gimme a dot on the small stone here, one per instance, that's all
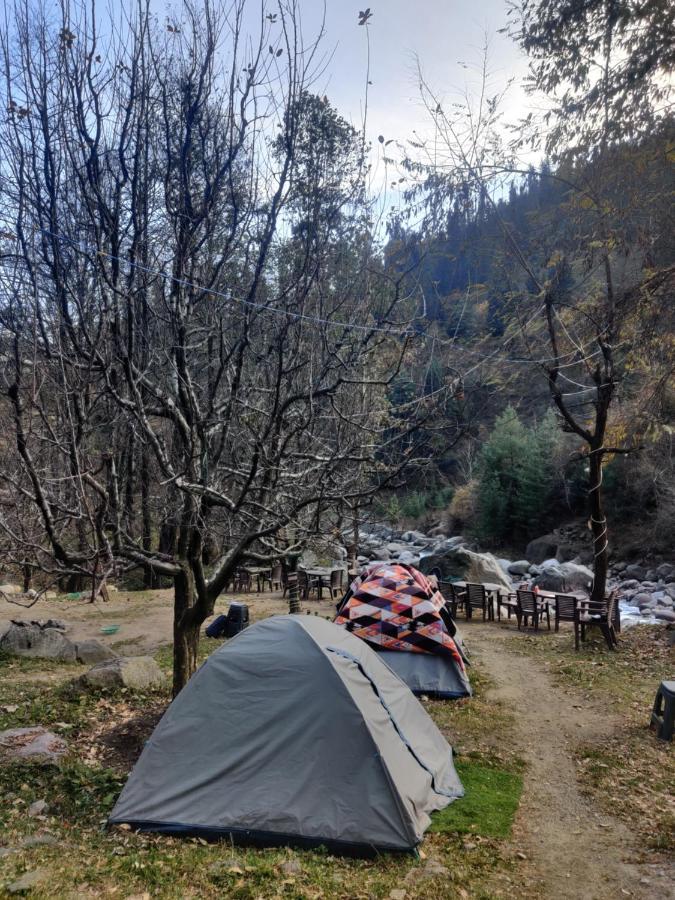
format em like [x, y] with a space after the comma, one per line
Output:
[28, 881]
[431, 869]
[38, 840]
[34, 743]
[39, 808]
[291, 867]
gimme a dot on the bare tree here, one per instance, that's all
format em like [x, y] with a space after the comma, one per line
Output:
[170, 341]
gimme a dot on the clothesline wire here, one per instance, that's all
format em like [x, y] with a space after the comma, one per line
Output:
[84, 248]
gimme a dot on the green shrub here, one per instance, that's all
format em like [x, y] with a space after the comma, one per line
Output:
[516, 478]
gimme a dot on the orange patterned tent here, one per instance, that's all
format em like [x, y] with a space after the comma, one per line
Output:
[395, 607]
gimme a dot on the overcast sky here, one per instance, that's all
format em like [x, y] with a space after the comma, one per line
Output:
[443, 33]
[446, 35]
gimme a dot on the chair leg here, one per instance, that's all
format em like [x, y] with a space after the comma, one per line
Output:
[607, 634]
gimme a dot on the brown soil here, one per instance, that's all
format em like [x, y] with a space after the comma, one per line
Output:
[572, 850]
[144, 617]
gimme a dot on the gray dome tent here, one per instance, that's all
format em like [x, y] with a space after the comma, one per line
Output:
[293, 732]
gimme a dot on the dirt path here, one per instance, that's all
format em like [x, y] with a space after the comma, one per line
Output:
[573, 850]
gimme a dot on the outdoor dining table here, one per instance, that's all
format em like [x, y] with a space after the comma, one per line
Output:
[549, 596]
[258, 572]
[320, 573]
[494, 591]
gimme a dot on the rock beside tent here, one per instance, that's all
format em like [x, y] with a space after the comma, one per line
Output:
[46, 639]
[33, 744]
[139, 673]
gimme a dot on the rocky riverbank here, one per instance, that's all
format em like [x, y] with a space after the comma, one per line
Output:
[645, 594]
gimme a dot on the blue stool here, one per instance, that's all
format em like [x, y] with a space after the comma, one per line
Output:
[663, 713]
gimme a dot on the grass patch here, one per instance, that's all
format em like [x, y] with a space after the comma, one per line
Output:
[14, 665]
[75, 792]
[164, 656]
[491, 799]
[98, 862]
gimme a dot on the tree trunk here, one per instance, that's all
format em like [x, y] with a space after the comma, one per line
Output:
[355, 536]
[598, 527]
[27, 577]
[293, 594]
[185, 630]
[150, 580]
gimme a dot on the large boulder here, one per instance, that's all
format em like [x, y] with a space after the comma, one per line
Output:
[665, 569]
[380, 552]
[484, 568]
[520, 567]
[561, 577]
[408, 558]
[457, 562]
[415, 537]
[577, 577]
[446, 561]
[382, 532]
[93, 651]
[542, 548]
[140, 673]
[395, 549]
[45, 640]
[635, 571]
[35, 744]
[665, 615]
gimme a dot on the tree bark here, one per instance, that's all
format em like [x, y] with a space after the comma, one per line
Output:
[293, 594]
[355, 535]
[185, 630]
[150, 580]
[598, 527]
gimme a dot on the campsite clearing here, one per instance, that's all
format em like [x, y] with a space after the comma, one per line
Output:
[570, 837]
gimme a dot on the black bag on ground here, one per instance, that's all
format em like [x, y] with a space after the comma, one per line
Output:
[217, 628]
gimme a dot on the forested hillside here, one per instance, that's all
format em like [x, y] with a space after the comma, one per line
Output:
[462, 254]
